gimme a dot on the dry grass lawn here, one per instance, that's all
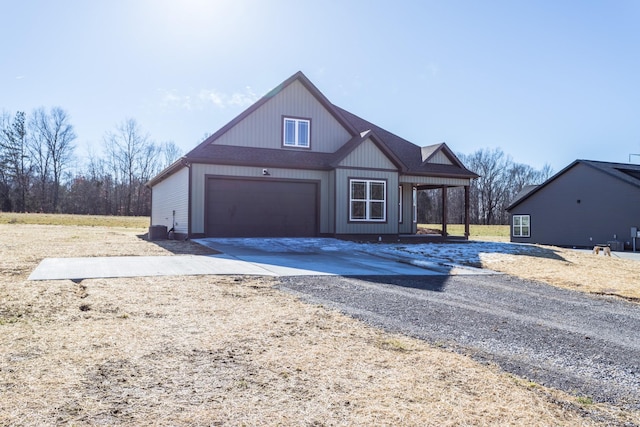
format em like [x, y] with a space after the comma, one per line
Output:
[213, 350]
[571, 269]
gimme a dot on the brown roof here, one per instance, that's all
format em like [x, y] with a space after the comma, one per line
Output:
[409, 153]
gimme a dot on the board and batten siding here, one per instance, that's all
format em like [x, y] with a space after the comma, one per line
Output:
[169, 196]
[263, 127]
[367, 155]
[440, 158]
[199, 173]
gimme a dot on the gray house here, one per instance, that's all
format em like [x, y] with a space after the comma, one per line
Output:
[585, 204]
[294, 164]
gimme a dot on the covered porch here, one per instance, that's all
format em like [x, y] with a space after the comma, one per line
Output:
[450, 196]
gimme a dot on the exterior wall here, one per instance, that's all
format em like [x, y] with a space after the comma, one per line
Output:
[368, 162]
[331, 203]
[172, 195]
[440, 158]
[582, 207]
[343, 226]
[407, 226]
[367, 153]
[263, 127]
[200, 171]
[434, 180]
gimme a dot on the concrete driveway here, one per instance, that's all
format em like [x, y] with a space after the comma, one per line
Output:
[316, 256]
[257, 256]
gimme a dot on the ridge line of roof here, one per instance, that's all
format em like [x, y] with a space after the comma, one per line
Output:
[594, 164]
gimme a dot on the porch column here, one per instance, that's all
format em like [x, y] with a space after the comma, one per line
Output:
[444, 211]
[466, 211]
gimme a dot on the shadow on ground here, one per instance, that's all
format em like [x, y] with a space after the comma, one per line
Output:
[470, 253]
[426, 283]
[180, 247]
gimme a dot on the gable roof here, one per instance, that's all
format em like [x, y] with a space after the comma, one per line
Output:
[625, 172]
[406, 156]
[352, 144]
[412, 155]
[299, 76]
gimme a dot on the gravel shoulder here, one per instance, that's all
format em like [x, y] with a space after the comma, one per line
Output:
[585, 345]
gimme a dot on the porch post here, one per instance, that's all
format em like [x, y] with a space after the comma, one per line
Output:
[466, 211]
[444, 211]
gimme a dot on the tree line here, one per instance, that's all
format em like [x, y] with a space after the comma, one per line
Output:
[501, 179]
[37, 152]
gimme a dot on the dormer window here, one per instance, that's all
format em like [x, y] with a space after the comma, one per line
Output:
[296, 132]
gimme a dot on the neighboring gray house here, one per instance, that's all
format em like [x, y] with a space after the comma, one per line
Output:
[585, 204]
[293, 164]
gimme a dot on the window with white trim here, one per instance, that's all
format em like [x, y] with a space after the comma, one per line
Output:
[414, 200]
[296, 132]
[400, 204]
[367, 200]
[521, 225]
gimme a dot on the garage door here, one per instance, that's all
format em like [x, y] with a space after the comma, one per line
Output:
[261, 208]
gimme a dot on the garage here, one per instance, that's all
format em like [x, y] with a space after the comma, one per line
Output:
[261, 208]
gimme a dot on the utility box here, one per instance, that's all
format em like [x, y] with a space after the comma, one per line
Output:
[158, 232]
[635, 232]
[616, 245]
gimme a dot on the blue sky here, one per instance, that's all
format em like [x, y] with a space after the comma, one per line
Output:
[545, 81]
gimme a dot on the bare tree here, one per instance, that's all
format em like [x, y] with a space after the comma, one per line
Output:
[52, 147]
[171, 152]
[500, 181]
[14, 160]
[134, 158]
[491, 188]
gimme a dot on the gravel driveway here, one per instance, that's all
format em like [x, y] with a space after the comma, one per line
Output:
[585, 345]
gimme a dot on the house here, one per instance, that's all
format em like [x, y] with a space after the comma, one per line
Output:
[294, 164]
[586, 204]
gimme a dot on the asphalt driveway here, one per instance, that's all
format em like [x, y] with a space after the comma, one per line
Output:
[585, 345]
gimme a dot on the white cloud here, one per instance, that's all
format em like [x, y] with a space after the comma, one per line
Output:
[171, 99]
[206, 98]
[243, 99]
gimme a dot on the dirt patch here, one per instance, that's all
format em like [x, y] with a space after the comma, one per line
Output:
[226, 351]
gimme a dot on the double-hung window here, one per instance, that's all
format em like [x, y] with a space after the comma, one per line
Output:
[414, 204]
[400, 213]
[296, 132]
[521, 226]
[367, 200]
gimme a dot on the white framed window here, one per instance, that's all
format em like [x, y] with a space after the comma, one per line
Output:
[521, 225]
[296, 132]
[414, 201]
[400, 204]
[367, 200]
